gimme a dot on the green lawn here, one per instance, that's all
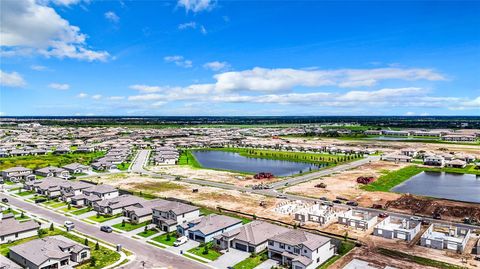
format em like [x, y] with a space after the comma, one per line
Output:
[65, 209]
[25, 193]
[57, 205]
[186, 158]
[103, 218]
[9, 210]
[392, 179]
[148, 233]
[123, 166]
[252, 261]
[163, 239]
[51, 202]
[20, 218]
[34, 162]
[82, 211]
[130, 226]
[211, 255]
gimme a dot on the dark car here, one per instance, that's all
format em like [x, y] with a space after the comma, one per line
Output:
[106, 229]
[5, 200]
[337, 201]
[352, 203]
[477, 258]
[323, 199]
[382, 215]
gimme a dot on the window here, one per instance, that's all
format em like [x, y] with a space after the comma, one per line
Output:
[318, 260]
[270, 243]
[83, 255]
[282, 245]
[304, 251]
[296, 251]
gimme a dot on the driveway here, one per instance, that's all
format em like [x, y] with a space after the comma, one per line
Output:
[230, 258]
[189, 245]
[267, 264]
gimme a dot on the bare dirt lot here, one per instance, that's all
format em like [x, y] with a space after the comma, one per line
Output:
[344, 184]
[206, 196]
[210, 175]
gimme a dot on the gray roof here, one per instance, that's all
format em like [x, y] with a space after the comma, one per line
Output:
[102, 188]
[16, 169]
[176, 207]
[299, 237]
[50, 169]
[212, 223]
[256, 232]
[145, 208]
[120, 201]
[12, 226]
[74, 166]
[40, 250]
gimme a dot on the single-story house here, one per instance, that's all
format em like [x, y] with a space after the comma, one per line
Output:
[76, 168]
[53, 252]
[52, 171]
[17, 174]
[397, 228]
[12, 229]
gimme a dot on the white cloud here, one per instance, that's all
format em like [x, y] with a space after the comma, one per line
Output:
[178, 60]
[59, 86]
[116, 98]
[111, 16]
[82, 95]
[38, 67]
[65, 2]
[196, 5]
[3, 113]
[28, 27]
[203, 30]
[216, 65]
[145, 97]
[12, 79]
[410, 113]
[97, 96]
[146, 88]
[187, 25]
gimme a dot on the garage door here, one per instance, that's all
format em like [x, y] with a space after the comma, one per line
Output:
[241, 247]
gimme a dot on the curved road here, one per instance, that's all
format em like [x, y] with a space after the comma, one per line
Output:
[153, 257]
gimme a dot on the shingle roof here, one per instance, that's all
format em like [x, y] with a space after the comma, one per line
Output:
[12, 226]
[256, 232]
[298, 237]
[212, 223]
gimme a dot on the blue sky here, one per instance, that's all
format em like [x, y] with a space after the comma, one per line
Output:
[203, 57]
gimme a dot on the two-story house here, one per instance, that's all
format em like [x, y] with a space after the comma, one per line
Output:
[170, 214]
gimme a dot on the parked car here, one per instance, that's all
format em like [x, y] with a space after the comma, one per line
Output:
[323, 199]
[337, 201]
[327, 203]
[106, 229]
[383, 215]
[5, 200]
[180, 241]
[352, 203]
[69, 224]
[415, 218]
[281, 196]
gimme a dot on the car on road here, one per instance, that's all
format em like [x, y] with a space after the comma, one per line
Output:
[323, 199]
[383, 215]
[69, 224]
[352, 203]
[106, 229]
[337, 201]
[281, 196]
[5, 200]
[180, 241]
[415, 218]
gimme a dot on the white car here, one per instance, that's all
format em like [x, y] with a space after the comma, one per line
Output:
[180, 241]
[69, 225]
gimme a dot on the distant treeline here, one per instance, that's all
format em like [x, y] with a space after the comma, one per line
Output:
[379, 122]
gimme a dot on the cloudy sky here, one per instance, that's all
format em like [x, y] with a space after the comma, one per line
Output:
[206, 57]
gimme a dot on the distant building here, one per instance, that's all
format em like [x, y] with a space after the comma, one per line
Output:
[17, 174]
[445, 237]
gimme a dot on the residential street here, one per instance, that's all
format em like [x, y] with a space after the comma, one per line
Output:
[153, 257]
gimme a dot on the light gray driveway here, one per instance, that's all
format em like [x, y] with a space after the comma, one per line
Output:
[230, 258]
[267, 264]
[189, 245]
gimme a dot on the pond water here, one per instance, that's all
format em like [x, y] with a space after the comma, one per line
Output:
[234, 161]
[396, 138]
[461, 187]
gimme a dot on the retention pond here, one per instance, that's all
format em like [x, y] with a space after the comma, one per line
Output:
[235, 162]
[460, 187]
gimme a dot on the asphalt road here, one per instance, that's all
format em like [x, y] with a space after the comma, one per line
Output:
[140, 161]
[153, 257]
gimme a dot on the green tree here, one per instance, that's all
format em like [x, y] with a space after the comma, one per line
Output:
[51, 227]
[97, 246]
[168, 237]
[123, 223]
[93, 261]
[86, 242]
[205, 250]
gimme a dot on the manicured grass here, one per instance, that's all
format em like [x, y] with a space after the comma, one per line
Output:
[25, 193]
[211, 255]
[65, 209]
[130, 226]
[57, 205]
[392, 179]
[9, 210]
[416, 259]
[103, 218]
[20, 218]
[252, 261]
[34, 162]
[123, 166]
[148, 233]
[104, 255]
[163, 239]
[345, 247]
[82, 211]
[186, 158]
[193, 258]
[469, 169]
[50, 202]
